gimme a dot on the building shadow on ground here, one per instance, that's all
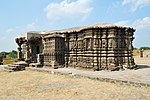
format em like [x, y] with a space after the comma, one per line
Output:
[142, 66]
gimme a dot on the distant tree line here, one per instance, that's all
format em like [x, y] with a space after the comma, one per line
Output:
[142, 48]
[12, 54]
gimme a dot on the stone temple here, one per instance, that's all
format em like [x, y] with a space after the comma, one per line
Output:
[100, 46]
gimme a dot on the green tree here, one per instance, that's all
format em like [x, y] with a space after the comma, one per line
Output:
[145, 48]
[3, 54]
[13, 54]
[135, 48]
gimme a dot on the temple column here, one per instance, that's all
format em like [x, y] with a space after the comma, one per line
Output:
[27, 52]
[19, 53]
[20, 41]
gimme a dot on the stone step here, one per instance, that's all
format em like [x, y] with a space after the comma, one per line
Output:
[7, 70]
[18, 66]
[13, 65]
[21, 63]
[10, 68]
[15, 69]
[37, 65]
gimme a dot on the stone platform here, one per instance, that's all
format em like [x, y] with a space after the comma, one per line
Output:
[16, 66]
[138, 77]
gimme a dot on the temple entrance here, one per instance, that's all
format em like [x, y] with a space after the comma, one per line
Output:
[36, 45]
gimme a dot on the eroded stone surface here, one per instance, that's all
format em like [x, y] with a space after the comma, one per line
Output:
[100, 46]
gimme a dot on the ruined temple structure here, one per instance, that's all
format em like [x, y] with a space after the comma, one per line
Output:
[100, 46]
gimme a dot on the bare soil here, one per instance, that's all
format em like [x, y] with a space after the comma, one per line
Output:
[142, 61]
[30, 85]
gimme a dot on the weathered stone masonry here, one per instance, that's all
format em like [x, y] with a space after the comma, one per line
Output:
[54, 50]
[98, 47]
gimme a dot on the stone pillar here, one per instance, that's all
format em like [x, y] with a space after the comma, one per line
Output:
[27, 52]
[19, 53]
[40, 58]
[66, 50]
[20, 41]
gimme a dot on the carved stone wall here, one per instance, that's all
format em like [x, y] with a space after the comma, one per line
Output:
[100, 48]
[54, 47]
[96, 47]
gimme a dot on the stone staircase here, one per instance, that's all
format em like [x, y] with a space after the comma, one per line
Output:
[17, 66]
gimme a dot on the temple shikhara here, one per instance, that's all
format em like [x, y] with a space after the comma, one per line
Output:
[100, 46]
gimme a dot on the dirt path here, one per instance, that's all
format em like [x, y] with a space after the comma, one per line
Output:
[30, 85]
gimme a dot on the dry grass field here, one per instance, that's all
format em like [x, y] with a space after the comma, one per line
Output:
[137, 52]
[30, 85]
[8, 60]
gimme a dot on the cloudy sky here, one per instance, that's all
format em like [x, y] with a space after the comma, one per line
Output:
[18, 16]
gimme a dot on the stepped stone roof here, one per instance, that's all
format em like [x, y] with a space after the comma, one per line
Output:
[27, 35]
[53, 35]
[77, 29]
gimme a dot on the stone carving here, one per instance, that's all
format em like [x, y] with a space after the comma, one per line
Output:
[96, 43]
[74, 45]
[110, 43]
[92, 47]
[88, 44]
[84, 44]
[104, 43]
[80, 44]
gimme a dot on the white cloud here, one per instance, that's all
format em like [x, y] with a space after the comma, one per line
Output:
[142, 24]
[139, 24]
[123, 23]
[79, 9]
[31, 26]
[135, 4]
[10, 30]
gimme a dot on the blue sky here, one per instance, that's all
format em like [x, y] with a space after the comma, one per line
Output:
[18, 16]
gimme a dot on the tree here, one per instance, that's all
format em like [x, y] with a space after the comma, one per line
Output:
[3, 54]
[145, 48]
[135, 48]
[12, 54]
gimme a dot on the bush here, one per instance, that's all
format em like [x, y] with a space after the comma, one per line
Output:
[145, 48]
[12, 54]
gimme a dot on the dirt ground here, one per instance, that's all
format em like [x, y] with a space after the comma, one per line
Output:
[142, 61]
[30, 85]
